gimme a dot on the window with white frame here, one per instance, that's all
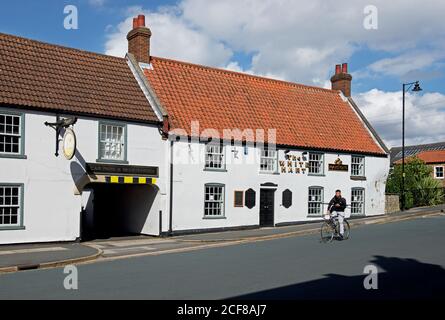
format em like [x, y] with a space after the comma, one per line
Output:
[10, 206]
[269, 160]
[439, 172]
[316, 165]
[315, 201]
[112, 142]
[357, 201]
[358, 166]
[10, 134]
[214, 200]
[214, 156]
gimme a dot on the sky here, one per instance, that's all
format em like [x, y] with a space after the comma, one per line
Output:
[386, 43]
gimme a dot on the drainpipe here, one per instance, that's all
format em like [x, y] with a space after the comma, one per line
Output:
[170, 227]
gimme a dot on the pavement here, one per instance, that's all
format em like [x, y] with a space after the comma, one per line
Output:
[408, 256]
[34, 256]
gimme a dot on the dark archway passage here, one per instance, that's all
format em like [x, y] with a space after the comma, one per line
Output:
[116, 210]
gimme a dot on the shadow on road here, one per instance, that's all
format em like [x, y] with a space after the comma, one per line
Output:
[398, 279]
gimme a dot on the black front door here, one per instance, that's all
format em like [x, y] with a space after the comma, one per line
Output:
[267, 200]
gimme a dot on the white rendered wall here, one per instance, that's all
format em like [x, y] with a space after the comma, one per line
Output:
[243, 173]
[51, 209]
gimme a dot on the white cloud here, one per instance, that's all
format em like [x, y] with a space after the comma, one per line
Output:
[405, 64]
[172, 38]
[424, 121]
[301, 41]
[294, 40]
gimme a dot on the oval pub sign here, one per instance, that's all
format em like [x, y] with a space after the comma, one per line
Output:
[69, 144]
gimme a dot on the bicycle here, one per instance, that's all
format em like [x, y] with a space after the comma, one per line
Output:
[330, 229]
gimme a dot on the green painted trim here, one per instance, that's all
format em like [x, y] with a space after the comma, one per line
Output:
[323, 173]
[22, 206]
[12, 228]
[364, 202]
[364, 165]
[112, 123]
[311, 215]
[277, 170]
[269, 173]
[215, 170]
[20, 155]
[13, 156]
[223, 215]
[224, 167]
[214, 218]
[112, 161]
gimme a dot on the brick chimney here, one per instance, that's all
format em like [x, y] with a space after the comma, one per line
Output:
[139, 40]
[341, 80]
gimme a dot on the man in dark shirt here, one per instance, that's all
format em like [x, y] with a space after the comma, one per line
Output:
[337, 207]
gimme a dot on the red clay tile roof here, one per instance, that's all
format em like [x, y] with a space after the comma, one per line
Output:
[429, 157]
[303, 116]
[43, 76]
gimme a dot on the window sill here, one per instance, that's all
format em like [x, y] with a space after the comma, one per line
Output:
[357, 215]
[316, 175]
[269, 172]
[214, 218]
[215, 170]
[358, 178]
[12, 228]
[112, 161]
[13, 156]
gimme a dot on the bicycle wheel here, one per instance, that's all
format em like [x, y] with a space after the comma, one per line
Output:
[327, 232]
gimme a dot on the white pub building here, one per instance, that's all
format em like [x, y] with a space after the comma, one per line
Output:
[94, 146]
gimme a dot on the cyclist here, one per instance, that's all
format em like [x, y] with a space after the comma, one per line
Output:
[336, 208]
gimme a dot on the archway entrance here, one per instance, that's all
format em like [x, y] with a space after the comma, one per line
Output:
[116, 210]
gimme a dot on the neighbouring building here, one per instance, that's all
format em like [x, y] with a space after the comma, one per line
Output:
[433, 158]
[167, 147]
[396, 152]
[114, 184]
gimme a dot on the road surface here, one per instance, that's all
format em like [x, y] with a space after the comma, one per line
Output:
[410, 257]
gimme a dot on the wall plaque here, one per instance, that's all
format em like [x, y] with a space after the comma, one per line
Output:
[338, 166]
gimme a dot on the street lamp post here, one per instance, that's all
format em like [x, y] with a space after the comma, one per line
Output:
[406, 87]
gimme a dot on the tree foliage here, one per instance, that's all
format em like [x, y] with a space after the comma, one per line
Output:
[421, 189]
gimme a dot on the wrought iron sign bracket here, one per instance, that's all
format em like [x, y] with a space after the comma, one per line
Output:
[58, 125]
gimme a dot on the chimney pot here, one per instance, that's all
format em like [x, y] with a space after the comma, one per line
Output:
[141, 20]
[344, 68]
[135, 23]
[337, 69]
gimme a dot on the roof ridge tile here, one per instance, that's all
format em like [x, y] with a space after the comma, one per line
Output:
[243, 74]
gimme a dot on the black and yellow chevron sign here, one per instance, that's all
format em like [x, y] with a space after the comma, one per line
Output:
[129, 180]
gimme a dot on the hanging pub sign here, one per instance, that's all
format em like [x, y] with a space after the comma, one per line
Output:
[69, 138]
[69, 143]
[338, 166]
